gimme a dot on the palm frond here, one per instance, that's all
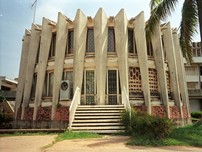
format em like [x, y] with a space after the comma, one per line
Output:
[188, 28]
[154, 3]
[160, 12]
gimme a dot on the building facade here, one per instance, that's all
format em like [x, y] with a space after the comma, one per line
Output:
[194, 78]
[100, 61]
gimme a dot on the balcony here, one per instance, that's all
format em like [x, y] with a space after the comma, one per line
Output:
[195, 93]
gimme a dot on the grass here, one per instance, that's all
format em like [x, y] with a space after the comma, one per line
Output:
[76, 135]
[186, 136]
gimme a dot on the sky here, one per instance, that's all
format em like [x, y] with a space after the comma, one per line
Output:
[17, 15]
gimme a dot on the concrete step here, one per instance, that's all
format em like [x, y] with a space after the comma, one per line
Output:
[98, 111]
[101, 106]
[97, 117]
[102, 131]
[98, 128]
[97, 124]
[95, 120]
[97, 114]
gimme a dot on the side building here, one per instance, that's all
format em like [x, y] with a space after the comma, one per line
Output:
[194, 78]
[99, 61]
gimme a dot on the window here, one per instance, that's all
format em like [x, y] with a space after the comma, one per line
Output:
[70, 42]
[90, 46]
[201, 70]
[111, 40]
[37, 56]
[33, 86]
[52, 46]
[149, 49]
[130, 41]
[48, 85]
[90, 86]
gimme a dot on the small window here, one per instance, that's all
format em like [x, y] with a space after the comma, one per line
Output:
[70, 42]
[149, 49]
[130, 41]
[111, 40]
[90, 47]
[33, 86]
[37, 56]
[48, 85]
[52, 46]
[200, 70]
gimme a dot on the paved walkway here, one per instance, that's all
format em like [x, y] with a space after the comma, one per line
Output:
[105, 144]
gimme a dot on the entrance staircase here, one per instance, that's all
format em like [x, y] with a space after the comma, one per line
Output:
[98, 119]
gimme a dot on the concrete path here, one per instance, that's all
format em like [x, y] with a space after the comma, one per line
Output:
[105, 144]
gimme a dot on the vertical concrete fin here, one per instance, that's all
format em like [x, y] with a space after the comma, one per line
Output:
[141, 44]
[121, 41]
[181, 73]
[32, 54]
[46, 35]
[100, 36]
[22, 71]
[61, 41]
[160, 66]
[171, 57]
[80, 32]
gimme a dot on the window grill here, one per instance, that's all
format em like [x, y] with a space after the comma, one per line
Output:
[70, 43]
[90, 47]
[111, 40]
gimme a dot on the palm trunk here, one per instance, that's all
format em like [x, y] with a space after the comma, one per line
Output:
[199, 4]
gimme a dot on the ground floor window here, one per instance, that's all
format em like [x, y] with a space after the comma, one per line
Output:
[48, 84]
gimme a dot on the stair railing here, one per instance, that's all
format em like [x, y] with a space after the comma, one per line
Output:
[73, 106]
[125, 100]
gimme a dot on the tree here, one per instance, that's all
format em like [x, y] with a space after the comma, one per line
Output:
[191, 16]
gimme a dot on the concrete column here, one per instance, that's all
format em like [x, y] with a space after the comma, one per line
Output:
[33, 49]
[160, 66]
[121, 41]
[80, 32]
[170, 54]
[141, 44]
[22, 71]
[100, 32]
[61, 42]
[181, 72]
[46, 36]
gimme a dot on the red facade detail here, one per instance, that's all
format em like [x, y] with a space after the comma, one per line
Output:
[174, 112]
[44, 113]
[28, 115]
[19, 114]
[185, 113]
[62, 113]
[159, 111]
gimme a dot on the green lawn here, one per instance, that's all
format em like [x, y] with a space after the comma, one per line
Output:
[187, 136]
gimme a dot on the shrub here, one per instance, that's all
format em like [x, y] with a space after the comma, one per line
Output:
[197, 114]
[147, 125]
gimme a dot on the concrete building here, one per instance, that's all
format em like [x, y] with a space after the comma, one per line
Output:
[73, 69]
[8, 89]
[194, 78]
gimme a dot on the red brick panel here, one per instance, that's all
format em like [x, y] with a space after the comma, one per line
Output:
[19, 113]
[185, 113]
[62, 113]
[28, 113]
[44, 113]
[159, 111]
[142, 109]
[174, 112]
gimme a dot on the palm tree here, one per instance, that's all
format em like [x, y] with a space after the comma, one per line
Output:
[191, 16]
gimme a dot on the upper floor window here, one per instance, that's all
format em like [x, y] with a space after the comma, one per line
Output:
[37, 56]
[200, 70]
[149, 48]
[70, 42]
[111, 40]
[48, 85]
[52, 46]
[90, 46]
[131, 42]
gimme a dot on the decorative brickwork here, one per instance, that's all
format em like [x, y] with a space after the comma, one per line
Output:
[19, 113]
[159, 111]
[153, 83]
[168, 81]
[174, 112]
[135, 85]
[184, 110]
[28, 113]
[142, 109]
[62, 113]
[44, 113]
